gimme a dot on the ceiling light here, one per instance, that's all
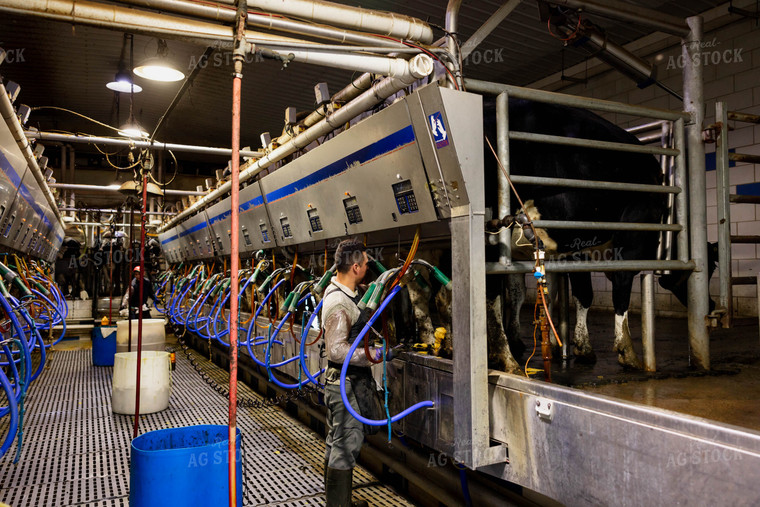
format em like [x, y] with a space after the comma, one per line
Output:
[133, 130]
[133, 187]
[159, 67]
[123, 83]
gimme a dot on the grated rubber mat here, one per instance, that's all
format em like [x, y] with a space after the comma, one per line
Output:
[76, 451]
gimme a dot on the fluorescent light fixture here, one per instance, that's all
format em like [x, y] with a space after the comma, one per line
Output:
[123, 83]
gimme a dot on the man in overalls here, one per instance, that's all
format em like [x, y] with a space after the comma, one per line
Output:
[343, 321]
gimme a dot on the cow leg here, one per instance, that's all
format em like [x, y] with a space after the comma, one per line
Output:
[583, 295]
[420, 299]
[622, 283]
[515, 289]
[499, 355]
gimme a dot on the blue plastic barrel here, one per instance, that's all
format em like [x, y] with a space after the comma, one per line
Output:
[182, 467]
[103, 345]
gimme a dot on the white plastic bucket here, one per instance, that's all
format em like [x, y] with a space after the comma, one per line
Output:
[155, 382]
[153, 335]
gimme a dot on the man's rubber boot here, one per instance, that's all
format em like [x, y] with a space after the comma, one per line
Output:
[338, 489]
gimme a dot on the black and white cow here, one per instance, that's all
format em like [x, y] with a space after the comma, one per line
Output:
[561, 203]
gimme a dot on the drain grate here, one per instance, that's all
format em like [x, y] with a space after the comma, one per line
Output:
[76, 451]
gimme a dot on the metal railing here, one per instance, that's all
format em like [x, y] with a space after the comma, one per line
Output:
[724, 200]
[671, 127]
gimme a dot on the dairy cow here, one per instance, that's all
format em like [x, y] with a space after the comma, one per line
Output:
[575, 204]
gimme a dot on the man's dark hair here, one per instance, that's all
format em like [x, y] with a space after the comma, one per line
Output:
[349, 251]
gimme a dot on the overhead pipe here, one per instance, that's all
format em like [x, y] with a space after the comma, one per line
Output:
[122, 18]
[9, 115]
[420, 66]
[153, 145]
[115, 188]
[226, 14]
[626, 11]
[347, 94]
[125, 19]
[108, 210]
[365, 20]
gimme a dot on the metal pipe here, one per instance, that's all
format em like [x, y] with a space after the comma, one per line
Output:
[140, 302]
[115, 188]
[9, 115]
[518, 92]
[564, 314]
[365, 20]
[123, 19]
[452, 25]
[590, 143]
[723, 186]
[64, 170]
[72, 175]
[153, 145]
[218, 12]
[665, 248]
[604, 226]
[489, 26]
[99, 224]
[698, 287]
[237, 78]
[350, 92]
[680, 179]
[627, 12]
[504, 192]
[386, 66]
[422, 65]
[109, 210]
[571, 266]
[647, 320]
[646, 127]
[594, 184]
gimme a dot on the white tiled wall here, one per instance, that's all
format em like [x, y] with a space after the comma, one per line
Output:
[735, 79]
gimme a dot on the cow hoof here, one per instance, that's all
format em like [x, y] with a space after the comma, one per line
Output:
[586, 358]
[584, 353]
[629, 359]
[505, 363]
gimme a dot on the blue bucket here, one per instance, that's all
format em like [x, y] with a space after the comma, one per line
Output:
[182, 467]
[103, 345]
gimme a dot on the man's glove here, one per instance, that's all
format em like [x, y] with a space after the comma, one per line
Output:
[124, 312]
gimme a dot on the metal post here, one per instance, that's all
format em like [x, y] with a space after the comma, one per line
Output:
[564, 317]
[680, 180]
[698, 295]
[502, 147]
[239, 56]
[140, 301]
[452, 25]
[724, 212]
[471, 410]
[647, 320]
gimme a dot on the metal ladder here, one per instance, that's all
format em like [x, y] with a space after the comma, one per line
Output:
[724, 200]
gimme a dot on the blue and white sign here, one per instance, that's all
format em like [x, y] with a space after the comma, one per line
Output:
[440, 135]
